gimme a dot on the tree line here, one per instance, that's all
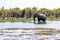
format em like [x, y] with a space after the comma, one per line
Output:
[27, 12]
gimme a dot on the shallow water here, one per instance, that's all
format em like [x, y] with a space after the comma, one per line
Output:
[49, 24]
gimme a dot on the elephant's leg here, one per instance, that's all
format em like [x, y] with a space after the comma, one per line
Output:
[38, 21]
[44, 20]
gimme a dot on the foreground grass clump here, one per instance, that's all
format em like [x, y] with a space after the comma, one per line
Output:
[44, 33]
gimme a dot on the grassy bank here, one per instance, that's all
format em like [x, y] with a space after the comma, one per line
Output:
[14, 20]
[27, 19]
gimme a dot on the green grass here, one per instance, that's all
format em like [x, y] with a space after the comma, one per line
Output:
[48, 33]
[14, 20]
[51, 19]
[25, 19]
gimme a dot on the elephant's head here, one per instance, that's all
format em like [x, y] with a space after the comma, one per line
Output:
[34, 16]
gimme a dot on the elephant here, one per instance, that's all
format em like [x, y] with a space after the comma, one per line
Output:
[39, 16]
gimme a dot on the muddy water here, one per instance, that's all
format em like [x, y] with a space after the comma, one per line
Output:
[16, 34]
[28, 34]
[29, 31]
[20, 34]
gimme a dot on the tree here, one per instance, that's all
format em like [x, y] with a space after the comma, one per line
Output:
[23, 14]
[3, 13]
[28, 12]
[45, 11]
[34, 10]
[18, 10]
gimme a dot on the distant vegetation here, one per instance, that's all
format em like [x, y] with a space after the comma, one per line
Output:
[7, 15]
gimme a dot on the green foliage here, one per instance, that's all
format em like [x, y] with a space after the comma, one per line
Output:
[34, 10]
[47, 12]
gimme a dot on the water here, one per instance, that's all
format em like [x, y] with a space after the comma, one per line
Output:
[49, 24]
[23, 34]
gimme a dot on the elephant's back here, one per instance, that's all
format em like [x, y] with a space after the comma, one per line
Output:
[42, 15]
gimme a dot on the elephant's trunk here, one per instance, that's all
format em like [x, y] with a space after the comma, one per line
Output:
[34, 19]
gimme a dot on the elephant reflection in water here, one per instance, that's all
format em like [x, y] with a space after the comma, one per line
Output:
[40, 17]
